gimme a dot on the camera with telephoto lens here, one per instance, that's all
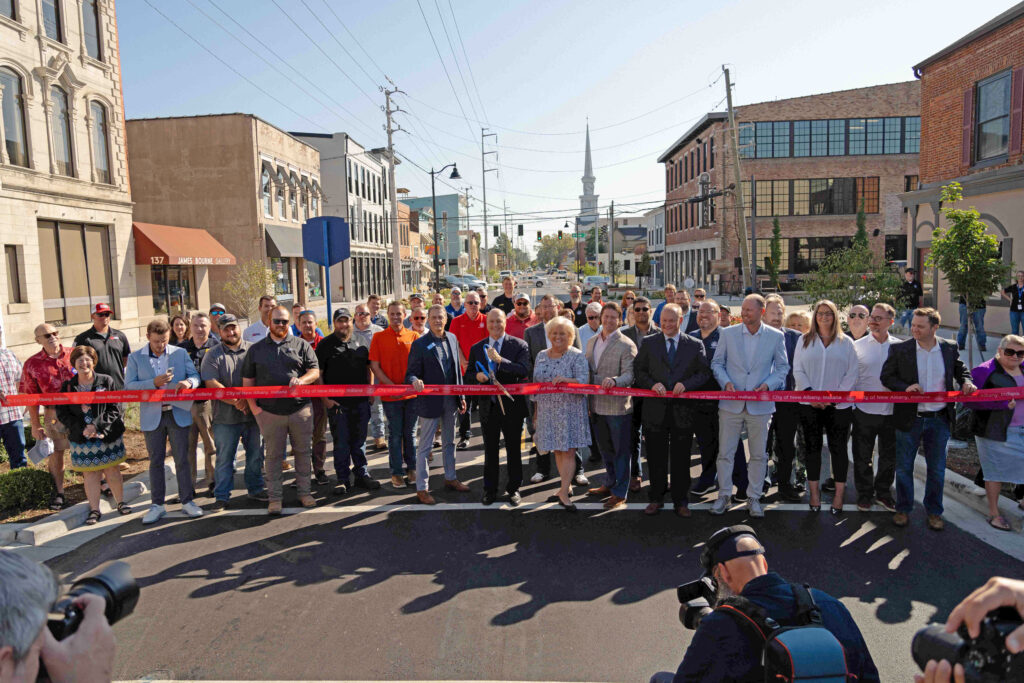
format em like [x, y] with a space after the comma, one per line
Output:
[696, 599]
[112, 581]
[984, 658]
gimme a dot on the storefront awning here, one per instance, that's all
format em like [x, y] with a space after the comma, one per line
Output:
[169, 245]
[283, 242]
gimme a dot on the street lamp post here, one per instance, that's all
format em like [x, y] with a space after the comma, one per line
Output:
[575, 245]
[433, 203]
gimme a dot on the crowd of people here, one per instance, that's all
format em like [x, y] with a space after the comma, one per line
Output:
[685, 344]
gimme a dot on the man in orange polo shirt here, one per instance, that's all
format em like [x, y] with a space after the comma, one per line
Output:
[389, 359]
[468, 328]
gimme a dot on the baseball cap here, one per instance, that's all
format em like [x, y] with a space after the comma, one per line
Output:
[520, 295]
[228, 319]
[217, 307]
[415, 295]
[342, 313]
[456, 289]
[102, 308]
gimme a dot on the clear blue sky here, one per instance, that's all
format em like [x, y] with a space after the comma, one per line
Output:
[538, 66]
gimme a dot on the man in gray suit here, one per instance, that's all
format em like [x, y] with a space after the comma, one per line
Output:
[610, 356]
[750, 357]
[537, 340]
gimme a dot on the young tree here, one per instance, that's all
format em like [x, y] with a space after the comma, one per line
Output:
[860, 238]
[249, 281]
[855, 275]
[775, 253]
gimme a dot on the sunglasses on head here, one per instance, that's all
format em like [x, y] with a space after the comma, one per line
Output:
[280, 321]
[1019, 353]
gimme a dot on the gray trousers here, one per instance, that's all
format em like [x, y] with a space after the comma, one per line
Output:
[729, 427]
[427, 426]
[276, 431]
[156, 445]
[376, 418]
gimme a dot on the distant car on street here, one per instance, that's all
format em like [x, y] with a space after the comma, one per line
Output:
[591, 281]
[540, 281]
[504, 274]
[562, 274]
[473, 281]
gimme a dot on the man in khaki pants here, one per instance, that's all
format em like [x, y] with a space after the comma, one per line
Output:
[199, 342]
[282, 359]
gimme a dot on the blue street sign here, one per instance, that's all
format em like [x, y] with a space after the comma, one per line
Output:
[325, 241]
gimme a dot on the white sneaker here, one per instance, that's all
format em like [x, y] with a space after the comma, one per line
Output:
[154, 514]
[755, 507]
[192, 510]
[581, 480]
[720, 505]
[537, 478]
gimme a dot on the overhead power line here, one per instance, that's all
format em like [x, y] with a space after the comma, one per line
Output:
[447, 75]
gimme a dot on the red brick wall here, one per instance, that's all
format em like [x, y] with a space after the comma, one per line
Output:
[943, 85]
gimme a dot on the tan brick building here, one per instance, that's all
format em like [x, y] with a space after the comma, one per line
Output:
[811, 161]
[972, 95]
[65, 205]
[247, 183]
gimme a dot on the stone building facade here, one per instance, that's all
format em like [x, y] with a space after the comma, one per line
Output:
[65, 203]
[247, 183]
[810, 161]
[972, 128]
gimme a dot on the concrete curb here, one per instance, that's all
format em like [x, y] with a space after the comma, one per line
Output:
[966, 492]
[73, 517]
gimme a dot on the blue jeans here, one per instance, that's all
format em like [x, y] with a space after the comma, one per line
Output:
[13, 435]
[1016, 322]
[428, 426]
[614, 440]
[401, 441]
[225, 439]
[906, 315]
[376, 418]
[348, 429]
[978, 318]
[933, 433]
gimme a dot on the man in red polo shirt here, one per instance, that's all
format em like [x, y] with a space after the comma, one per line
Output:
[44, 373]
[522, 318]
[468, 328]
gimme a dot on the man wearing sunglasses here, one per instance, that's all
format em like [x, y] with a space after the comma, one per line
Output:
[524, 317]
[363, 329]
[642, 327]
[111, 345]
[216, 311]
[418, 320]
[468, 328]
[857, 322]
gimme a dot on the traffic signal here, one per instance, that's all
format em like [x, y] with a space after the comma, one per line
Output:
[559, 234]
[495, 230]
[520, 229]
[538, 235]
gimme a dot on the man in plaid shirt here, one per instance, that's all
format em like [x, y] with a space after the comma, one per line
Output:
[44, 373]
[11, 429]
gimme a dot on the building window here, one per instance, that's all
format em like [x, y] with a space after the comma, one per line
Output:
[837, 137]
[911, 134]
[992, 116]
[280, 196]
[801, 138]
[15, 292]
[780, 139]
[711, 153]
[910, 182]
[53, 20]
[895, 247]
[282, 278]
[763, 189]
[314, 281]
[7, 9]
[293, 203]
[874, 128]
[304, 205]
[809, 252]
[100, 142]
[61, 124]
[266, 194]
[764, 255]
[316, 204]
[801, 197]
[348, 176]
[858, 136]
[893, 132]
[763, 139]
[746, 140]
[91, 28]
[867, 192]
[686, 168]
[173, 291]
[77, 260]
[14, 118]
[819, 138]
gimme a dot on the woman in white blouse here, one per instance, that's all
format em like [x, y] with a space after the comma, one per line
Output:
[825, 360]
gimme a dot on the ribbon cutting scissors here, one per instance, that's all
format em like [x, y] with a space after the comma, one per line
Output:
[494, 380]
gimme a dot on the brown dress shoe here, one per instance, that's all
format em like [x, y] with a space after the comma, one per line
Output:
[599, 491]
[380, 444]
[455, 485]
[307, 501]
[397, 482]
[900, 519]
[425, 498]
[410, 477]
[635, 483]
[683, 511]
[274, 507]
[936, 523]
[652, 509]
[614, 503]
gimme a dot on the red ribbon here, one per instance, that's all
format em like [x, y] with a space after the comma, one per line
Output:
[530, 388]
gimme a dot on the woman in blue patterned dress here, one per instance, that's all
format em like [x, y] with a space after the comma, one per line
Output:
[561, 420]
[94, 431]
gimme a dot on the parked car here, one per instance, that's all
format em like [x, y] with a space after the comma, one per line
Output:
[561, 274]
[504, 274]
[540, 281]
[473, 281]
[449, 281]
[591, 281]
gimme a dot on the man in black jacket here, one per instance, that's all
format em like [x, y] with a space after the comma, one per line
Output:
[924, 363]
[508, 358]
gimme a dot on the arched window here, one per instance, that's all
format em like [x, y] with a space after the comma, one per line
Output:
[14, 118]
[304, 204]
[91, 28]
[61, 124]
[293, 195]
[53, 20]
[316, 204]
[100, 142]
[280, 196]
[266, 194]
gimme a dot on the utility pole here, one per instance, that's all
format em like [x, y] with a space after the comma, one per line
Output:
[611, 241]
[396, 248]
[509, 251]
[741, 224]
[483, 174]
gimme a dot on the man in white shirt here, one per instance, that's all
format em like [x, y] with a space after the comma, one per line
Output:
[259, 329]
[593, 324]
[873, 421]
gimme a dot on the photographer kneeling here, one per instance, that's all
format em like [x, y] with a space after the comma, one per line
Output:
[28, 591]
[756, 610]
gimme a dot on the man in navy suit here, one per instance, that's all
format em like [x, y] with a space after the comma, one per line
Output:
[434, 359]
[508, 358]
[782, 432]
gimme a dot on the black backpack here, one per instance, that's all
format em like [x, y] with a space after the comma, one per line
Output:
[807, 652]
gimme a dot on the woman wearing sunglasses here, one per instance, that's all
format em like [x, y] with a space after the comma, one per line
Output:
[998, 426]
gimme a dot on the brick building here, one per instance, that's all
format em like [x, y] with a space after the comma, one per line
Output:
[812, 160]
[972, 95]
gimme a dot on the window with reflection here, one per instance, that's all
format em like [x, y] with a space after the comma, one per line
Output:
[60, 123]
[280, 196]
[7, 9]
[819, 138]
[293, 203]
[892, 135]
[91, 28]
[912, 134]
[53, 21]
[992, 117]
[266, 194]
[874, 136]
[837, 137]
[746, 140]
[13, 103]
[100, 142]
[858, 136]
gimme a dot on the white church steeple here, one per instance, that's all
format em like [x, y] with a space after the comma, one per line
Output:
[588, 200]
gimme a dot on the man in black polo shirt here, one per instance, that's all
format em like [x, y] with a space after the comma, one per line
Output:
[505, 300]
[911, 294]
[345, 359]
[196, 347]
[282, 359]
[111, 345]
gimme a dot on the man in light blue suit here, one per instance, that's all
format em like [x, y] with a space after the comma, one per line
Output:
[751, 356]
[158, 365]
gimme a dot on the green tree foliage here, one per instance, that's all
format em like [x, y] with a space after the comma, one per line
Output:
[965, 253]
[552, 250]
[249, 281]
[860, 238]
[855, 275]
[25, 488]
[775, 253]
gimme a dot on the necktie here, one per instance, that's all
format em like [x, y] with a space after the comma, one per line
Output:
[671, 351]
[496, 345]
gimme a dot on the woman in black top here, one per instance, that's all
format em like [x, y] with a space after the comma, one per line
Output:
[1015, 295]
[179, 330]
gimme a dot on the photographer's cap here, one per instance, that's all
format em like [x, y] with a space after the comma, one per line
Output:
[724, 546]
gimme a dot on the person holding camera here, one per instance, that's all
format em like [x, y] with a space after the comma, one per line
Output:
[729, 641]
[28, 591]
